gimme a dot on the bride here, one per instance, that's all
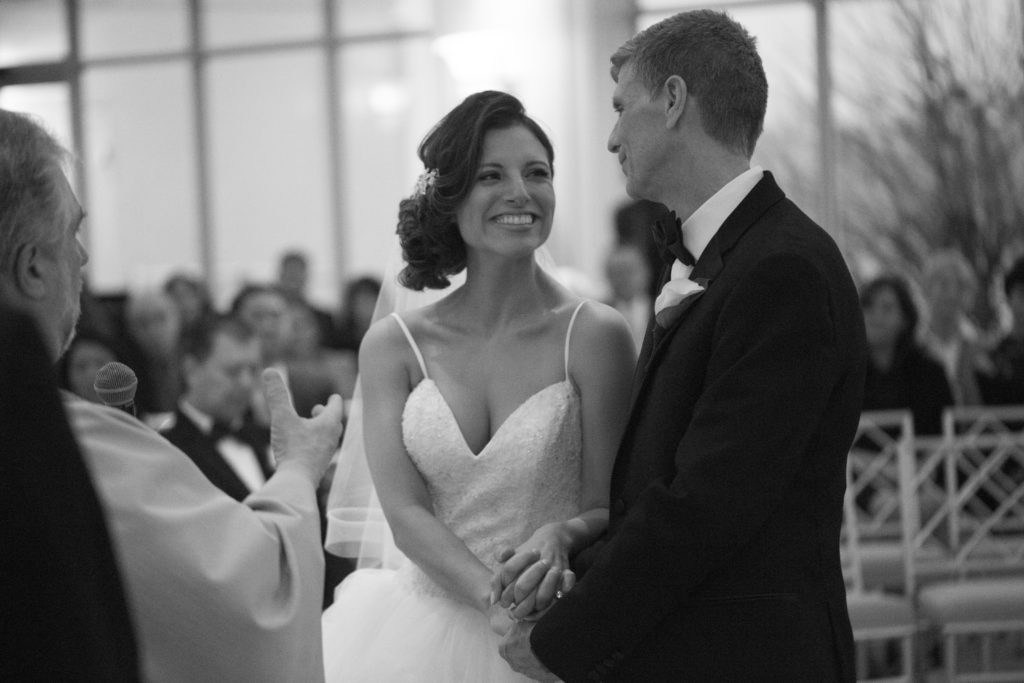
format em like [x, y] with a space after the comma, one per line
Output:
[490, 417]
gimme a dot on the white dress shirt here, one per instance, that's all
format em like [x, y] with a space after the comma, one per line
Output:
[701, 226]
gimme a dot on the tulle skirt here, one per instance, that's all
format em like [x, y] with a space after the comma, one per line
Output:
[380, 629]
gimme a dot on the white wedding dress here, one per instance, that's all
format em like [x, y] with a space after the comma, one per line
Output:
[388, 626]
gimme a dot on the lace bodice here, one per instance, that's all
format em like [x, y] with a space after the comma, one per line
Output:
[528, 474]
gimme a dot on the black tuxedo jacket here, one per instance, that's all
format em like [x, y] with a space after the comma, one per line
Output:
[202, 449]
[65, 616]
[721, 561]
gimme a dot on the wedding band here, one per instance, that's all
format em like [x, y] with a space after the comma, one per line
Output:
[558, 595]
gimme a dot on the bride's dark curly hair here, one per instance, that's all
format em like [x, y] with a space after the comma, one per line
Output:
[427, 230]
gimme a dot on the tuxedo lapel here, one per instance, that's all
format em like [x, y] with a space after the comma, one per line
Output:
[764, 195]
[202, 450]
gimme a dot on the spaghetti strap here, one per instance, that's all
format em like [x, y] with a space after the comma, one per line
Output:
[568, 335]
[412, 343]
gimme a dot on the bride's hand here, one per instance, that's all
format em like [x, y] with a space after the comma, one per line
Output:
[533, 606]
[535, 567]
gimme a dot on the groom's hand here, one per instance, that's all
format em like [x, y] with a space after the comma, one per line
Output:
[515, 649]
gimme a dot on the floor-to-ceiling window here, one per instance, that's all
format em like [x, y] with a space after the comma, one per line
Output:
[214, 134]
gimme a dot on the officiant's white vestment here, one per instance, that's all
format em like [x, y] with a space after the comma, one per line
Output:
[218, 590]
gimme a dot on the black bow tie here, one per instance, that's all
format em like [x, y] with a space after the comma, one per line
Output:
[668, 235]
[220, 430]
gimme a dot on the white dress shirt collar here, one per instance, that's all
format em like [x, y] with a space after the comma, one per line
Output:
[203, 421]
[703, 223]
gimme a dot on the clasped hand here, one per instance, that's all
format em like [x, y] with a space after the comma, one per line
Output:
[531, 577]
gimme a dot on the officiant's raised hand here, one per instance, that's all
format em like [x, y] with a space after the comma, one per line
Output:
[304, 444]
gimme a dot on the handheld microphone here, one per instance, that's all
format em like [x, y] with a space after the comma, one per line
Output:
[115, 384]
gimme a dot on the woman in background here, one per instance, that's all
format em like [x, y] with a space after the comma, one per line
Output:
[88, 352]
[901, 373]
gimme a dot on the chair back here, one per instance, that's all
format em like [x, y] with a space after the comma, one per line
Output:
[963, 492]
[874, 472]
[986, 460]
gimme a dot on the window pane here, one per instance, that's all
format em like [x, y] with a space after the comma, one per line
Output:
[127, 28]
[140, 159]
[32, 31]
[49, 101]
[269, 177]
[354, 17]
[389, 105]
[229, 22]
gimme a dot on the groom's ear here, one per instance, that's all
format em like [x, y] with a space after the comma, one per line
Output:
[675, 99]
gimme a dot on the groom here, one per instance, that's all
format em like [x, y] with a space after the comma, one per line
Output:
[721, 560]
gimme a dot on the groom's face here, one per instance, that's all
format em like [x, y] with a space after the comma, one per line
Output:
[636, 137]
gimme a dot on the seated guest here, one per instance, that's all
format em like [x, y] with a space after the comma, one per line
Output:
[154, 341]
[1005, 384]
[314, 370]
[192, 299]
[359, 298]
[293, 279]
[629, 276]
[89, 351]
[220, 364]
[950, 286]
[264, 308]
[218, 590]
[900, 374]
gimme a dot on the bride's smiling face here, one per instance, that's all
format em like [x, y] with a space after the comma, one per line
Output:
[511, 204]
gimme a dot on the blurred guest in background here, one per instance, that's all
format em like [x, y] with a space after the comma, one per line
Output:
[220, 366]
[314, 371]
[900, 373]
[357, 304]
[98, 315]
[154, 338]
[89, 351]
[950, 286]
[190, 295]
[633, 222]
[293, 279]
[1005, 384]
[629, 275]
[264, 308]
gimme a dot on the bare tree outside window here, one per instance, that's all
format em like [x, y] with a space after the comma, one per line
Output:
[930, 119]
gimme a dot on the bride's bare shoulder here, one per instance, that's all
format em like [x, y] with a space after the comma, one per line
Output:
[383, 342]
[600, 329]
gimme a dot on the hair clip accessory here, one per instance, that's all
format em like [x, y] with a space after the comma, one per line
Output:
[425, 182]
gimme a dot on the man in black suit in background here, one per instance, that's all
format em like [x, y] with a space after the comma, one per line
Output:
[220, 366]
[721, 559]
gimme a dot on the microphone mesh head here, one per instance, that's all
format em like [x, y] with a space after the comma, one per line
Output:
[115, 384]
